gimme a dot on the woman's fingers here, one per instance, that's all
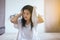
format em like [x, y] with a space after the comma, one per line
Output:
[40, 19]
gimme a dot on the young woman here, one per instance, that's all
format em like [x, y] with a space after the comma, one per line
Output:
[26, 23]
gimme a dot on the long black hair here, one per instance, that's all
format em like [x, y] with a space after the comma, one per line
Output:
[30, 8]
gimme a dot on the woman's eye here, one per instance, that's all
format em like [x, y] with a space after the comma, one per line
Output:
[27, 14]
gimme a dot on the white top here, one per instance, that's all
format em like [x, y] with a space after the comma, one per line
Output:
[25, 33]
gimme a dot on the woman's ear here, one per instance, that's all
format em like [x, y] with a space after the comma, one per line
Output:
[40, 19]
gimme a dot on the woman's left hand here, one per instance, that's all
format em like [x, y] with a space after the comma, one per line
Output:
[40, 19]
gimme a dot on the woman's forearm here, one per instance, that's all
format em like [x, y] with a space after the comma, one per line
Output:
[15, 19]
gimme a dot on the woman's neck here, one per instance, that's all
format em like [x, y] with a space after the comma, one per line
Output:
[27, 22]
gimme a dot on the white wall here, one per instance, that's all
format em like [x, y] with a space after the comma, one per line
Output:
[14, 6]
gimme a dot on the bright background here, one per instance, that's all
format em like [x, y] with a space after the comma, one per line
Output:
[14, 7]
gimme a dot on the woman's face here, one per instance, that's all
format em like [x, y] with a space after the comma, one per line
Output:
[26, 15]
